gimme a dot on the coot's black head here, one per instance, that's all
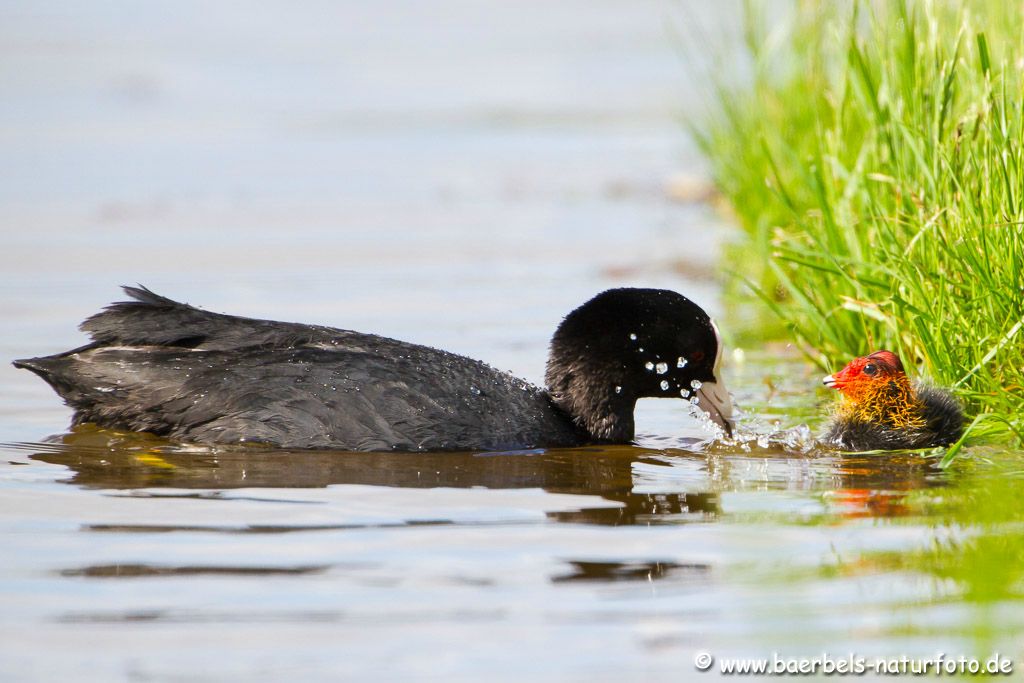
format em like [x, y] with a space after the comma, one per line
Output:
[626, 344]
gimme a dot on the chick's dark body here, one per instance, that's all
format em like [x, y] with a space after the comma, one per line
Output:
[942, 418]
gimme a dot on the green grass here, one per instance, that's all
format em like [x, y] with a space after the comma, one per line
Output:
[874, 159]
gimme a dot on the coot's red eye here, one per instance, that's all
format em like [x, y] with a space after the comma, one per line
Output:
[870, 370]
[697, 356]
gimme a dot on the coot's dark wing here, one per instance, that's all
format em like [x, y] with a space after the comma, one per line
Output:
[382, 395]
[151, 319]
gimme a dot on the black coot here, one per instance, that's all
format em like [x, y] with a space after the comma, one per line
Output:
[164, 367]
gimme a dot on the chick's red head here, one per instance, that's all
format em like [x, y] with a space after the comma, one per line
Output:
[863, 374]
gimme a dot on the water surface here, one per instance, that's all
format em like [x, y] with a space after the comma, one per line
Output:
[142, 559]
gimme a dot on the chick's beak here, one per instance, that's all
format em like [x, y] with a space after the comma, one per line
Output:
[717, 403]
[830, 381]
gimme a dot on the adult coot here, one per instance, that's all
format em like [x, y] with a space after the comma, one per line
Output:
[164, 367]
[883, 410]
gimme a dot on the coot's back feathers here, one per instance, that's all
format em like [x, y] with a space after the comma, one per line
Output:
[151, 319]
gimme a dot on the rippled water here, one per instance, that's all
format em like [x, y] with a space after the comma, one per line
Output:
[459, 176]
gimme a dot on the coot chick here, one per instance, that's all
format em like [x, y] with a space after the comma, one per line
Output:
[160, 366]
[882, 409]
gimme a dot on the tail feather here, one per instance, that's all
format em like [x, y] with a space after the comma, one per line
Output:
[36, 365]
[143, 295]
[57, 372]
[148, 319]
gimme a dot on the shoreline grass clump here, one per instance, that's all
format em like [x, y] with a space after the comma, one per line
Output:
[873, 158]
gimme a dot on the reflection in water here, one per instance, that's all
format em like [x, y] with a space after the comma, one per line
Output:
[110, 460]
[647, 486]
[644, 508]
[723, 525]
[631, 571]
[101, 459]
[129, 571]
[205, 617]
[856, 503]
[262, 528]
[393, 619]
